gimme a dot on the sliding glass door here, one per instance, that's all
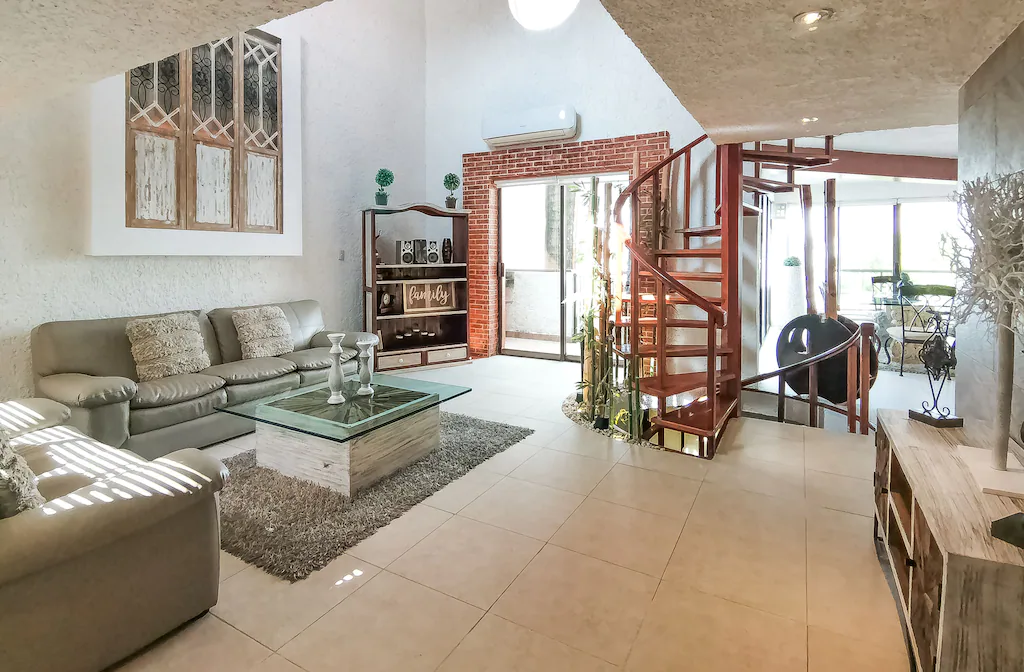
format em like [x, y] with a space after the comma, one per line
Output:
[547, 243]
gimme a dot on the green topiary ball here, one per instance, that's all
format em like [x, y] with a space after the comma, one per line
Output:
[791, 261]
[451, 182]
[385, 178]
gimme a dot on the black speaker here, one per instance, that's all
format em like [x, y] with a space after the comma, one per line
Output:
[419, 251]
[433, 255]
[404, 252]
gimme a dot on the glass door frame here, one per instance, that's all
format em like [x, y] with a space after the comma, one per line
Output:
[561, 355]
[561, 181]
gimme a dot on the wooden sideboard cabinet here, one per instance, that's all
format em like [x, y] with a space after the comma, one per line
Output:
[961, 589]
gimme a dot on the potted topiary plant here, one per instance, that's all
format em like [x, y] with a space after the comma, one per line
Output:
[451, 183]
[385, 178]
[788, 292]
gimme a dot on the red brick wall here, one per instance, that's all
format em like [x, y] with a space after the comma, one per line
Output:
[480, 196]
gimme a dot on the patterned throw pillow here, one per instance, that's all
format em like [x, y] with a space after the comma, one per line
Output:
[167, 345]
[18, 491]
[263, 332]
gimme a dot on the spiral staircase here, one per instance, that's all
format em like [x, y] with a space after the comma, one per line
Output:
[677, 322]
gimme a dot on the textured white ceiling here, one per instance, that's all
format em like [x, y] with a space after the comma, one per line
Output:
[746, 71]
[940, 141]
[46, 47]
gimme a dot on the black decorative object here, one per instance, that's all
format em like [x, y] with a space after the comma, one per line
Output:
[939, 357]
[446, 251]
[931, 307]
[810, 335]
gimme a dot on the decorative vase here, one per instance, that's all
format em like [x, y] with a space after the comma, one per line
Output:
[365, 367]
[381, 198]
[446, 251]
[336, 378]
[450, 201]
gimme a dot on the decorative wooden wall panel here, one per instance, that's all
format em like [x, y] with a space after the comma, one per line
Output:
[204, 138]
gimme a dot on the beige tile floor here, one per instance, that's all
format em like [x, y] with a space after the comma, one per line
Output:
[571, 552]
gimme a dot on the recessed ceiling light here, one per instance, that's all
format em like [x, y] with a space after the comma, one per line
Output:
[808, 120]
[811, 18]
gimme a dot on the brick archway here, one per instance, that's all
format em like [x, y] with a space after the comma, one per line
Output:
[481, 170]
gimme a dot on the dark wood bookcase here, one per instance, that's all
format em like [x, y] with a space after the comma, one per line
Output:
[434, 327]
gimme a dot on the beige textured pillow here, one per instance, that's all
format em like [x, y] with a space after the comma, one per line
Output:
[18, 490]
[168, 345]
[263, 332]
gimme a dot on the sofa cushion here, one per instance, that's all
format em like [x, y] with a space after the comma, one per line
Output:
[142, 420]
[263, 332]
[18, 491]
[317, 358]
[304, 317]
[174, 389]
[317, 376]
[251, 370]
[167, 345]
[238, 394]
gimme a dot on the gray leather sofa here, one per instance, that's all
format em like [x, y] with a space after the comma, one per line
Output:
[124, 550]
[87, 365]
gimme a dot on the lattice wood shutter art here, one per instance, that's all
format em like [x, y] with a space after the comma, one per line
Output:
[204, 138]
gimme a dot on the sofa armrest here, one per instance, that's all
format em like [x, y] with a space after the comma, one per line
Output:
[80, 390]
[21, 416]
[38, 539]
[320, 339]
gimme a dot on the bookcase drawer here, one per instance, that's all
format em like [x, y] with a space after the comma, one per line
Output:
[446, 355]
[385, 362]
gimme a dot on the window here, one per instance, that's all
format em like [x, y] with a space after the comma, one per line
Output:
[868, 247]
[204, 138]
[865, 252]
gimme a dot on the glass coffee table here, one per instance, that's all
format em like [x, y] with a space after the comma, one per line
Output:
[348, 447]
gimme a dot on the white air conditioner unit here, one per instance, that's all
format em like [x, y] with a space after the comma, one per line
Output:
[525, 127]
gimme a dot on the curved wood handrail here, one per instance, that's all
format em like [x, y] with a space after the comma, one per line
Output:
[845, 345]
[635, 184]
[714, 312]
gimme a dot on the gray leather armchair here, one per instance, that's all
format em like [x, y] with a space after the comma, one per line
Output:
[124, 550]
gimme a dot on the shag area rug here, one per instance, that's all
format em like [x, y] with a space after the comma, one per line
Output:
[290, 527]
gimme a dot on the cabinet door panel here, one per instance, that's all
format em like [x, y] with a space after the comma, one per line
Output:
[926, 592]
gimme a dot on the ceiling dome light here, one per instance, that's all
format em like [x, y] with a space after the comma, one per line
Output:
[808, 120]
[811, 18]
[542, 14]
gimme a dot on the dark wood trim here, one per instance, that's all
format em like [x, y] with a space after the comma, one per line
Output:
[831, 250]
[884, 165]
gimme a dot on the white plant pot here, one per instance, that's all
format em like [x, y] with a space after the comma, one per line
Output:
[788, 299]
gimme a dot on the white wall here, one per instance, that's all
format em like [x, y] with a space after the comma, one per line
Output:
[363, 108]
[480, 59]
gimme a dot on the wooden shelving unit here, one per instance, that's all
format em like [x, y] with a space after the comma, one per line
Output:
[404, 334]
[961, 590]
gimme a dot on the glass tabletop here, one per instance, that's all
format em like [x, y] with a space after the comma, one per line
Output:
[306, 409]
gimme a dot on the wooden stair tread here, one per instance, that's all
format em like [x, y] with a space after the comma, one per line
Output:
[773, 186]
[676, 350]
[703, 231]
[653, 321]
[674, 299]
[695, 276]
[786, 158]
[704, 253]
[749, 210]
[678, 383]
[696, 418]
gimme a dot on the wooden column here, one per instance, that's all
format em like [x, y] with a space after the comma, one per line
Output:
[805, 207]
[731, 157]
[831, 251]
